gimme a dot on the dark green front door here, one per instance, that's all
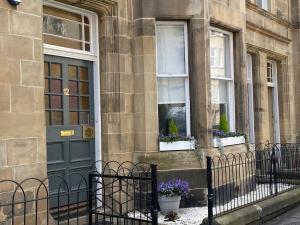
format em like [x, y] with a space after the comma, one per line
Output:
[69, 103]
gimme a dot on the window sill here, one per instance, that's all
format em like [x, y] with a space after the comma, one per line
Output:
[216, 142]
[177, 145]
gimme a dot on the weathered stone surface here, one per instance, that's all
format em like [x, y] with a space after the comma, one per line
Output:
[25, 24]
[22, 99]
[32, 73]
[31, 7]
[3, 21]
[21, 125]
[9, 70]
[23, 47]
[21, 151]
[4, 98]
[6, 174]
[34, 170]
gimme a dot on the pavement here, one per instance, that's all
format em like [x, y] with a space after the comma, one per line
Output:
[292, 217]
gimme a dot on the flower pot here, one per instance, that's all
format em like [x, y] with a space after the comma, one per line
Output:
[169, 204]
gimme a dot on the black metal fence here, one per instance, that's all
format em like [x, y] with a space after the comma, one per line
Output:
[119, 194]
[240, 179]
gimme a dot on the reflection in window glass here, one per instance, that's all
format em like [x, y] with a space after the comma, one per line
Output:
[168, 112]
[221, 77]
[66, 29]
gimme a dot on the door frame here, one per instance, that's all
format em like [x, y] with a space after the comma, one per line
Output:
[274, 87]
[92, 56]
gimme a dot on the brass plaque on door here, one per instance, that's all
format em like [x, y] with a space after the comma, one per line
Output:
[67, 133]
[88, 131]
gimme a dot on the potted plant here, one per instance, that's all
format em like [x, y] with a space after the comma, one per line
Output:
[169, 195]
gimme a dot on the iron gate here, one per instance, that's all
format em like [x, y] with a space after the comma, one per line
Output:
[126, 194]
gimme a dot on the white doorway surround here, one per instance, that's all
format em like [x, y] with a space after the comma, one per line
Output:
[92, 55]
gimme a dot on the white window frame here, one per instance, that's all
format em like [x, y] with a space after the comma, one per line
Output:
[92, 56]
[274, 86]
[229, 70]
[250, 99]
[186, 75]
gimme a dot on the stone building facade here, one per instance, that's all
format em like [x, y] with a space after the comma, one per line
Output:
[129, 50]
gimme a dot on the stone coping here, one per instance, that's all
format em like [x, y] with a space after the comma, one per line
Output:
[260, 212]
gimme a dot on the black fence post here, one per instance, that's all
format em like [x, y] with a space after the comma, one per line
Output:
[274, 164]
[210, 195]
[271, 173]
[154, 208]
[90, 200]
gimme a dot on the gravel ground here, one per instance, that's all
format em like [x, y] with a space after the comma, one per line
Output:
[194, 216]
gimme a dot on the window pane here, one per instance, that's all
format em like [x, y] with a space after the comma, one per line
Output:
[84, 117]
[73, 102]
[171, 90]
[170, 49]
[55, 70]
[219, 54]
[269, 72]
[219, 91]
[61, 27]
[84, 103]
[83, 73]
[87, 33]
[46, 85]
[74, 118]
[84, 88]
[46, 69]
[169, 112]
[56, 102]
[57, 118]
[73, 86]
[72, 72]
[56, 86]
[217, 111]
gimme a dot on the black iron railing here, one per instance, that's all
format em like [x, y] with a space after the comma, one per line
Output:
[125, 195]
[116, 195]
[240, 179]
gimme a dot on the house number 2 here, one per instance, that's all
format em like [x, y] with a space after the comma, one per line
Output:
[66, 91]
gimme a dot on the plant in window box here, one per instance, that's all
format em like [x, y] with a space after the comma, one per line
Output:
[223, 137]
[175, 141]
[169, 195]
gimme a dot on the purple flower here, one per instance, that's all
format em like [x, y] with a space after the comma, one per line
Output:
[174, 188]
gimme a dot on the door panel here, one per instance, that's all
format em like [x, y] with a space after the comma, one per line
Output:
[69, 109]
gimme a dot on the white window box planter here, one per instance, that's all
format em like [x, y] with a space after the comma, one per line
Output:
[216, 142]
[177, 145]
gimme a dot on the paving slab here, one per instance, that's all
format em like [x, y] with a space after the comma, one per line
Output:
[292, 217]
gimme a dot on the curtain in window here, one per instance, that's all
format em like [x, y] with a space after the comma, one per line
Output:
[170, 49]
